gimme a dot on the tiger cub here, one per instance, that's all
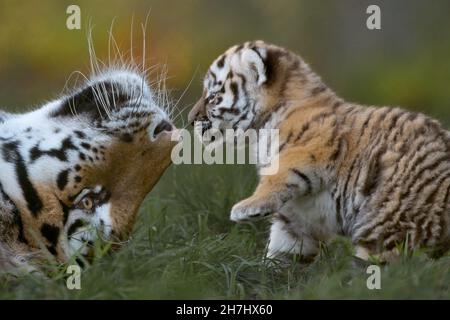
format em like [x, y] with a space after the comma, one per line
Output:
[378, 175]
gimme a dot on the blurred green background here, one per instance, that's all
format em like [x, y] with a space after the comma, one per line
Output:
[406, 63]
[184, 245]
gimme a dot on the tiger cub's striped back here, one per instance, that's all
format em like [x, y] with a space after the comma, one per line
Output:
[377, 174]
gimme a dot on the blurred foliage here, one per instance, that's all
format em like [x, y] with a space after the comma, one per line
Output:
[185, 247]
[407, 63]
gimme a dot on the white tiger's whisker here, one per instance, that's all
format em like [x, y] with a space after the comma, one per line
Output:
[109, 40]
[131, 40]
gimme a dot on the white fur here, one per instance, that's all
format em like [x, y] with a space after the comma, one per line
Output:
[48, 133]
[312, 218]
[98, 221]
[102, 219]
[251, 60]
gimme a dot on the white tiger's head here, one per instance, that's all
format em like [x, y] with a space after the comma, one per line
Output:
[246, 84]
[110, 133]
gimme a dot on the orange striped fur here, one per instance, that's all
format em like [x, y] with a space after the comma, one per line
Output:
[378, 175]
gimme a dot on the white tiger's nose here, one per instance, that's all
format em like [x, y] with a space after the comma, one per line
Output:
[163, 126]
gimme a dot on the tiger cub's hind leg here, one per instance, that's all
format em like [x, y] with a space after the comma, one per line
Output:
[385, 256]
[283, 242]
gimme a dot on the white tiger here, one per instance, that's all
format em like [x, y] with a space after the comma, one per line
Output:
[82, 162]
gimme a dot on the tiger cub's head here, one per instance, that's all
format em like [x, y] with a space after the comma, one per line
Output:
[89, 157]
[244, 85]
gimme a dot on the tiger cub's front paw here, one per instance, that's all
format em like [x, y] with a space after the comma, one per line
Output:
[251, 208]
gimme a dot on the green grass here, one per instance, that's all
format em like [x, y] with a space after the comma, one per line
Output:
[185, 247]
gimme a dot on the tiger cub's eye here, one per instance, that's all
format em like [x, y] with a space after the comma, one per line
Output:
[215, 98]
[212, 97]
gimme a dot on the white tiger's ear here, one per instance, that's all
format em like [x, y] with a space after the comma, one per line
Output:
[252, 60]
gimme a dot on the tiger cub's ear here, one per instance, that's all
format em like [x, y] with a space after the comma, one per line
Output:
[252, 62]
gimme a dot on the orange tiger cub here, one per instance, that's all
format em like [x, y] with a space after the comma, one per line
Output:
[378, 175]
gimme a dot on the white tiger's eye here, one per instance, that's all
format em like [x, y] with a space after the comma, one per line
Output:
[87, 203]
